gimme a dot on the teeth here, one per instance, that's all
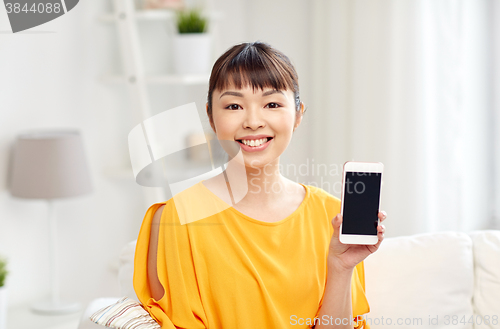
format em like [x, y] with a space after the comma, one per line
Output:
[254, 142]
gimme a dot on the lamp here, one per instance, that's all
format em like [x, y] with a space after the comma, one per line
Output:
[49, 165]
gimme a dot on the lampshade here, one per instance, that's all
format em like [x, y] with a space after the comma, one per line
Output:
[49, 164]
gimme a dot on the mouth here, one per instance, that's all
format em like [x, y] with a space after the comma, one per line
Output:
[254, 142]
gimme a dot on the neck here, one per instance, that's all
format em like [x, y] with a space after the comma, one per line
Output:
[265, 184]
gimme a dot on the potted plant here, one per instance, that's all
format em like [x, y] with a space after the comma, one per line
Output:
[3, 294]
[191, 43]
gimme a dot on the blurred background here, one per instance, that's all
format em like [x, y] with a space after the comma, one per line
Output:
[414, 84]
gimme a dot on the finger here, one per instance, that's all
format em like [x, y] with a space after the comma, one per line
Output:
[380, 235]
[336, 221]
[375, 247]
[380, 231]
[382, 215]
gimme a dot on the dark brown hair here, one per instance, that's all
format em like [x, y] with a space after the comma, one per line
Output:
[254, 64]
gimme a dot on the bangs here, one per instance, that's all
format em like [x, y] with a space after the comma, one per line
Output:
[256, 67]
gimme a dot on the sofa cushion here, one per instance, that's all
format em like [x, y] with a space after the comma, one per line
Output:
[126, 313]
[487, 278]
[421, 281]
[92, 307]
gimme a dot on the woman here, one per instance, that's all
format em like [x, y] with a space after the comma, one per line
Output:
[271, 260]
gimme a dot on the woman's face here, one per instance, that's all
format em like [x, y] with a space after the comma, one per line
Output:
[262, 121]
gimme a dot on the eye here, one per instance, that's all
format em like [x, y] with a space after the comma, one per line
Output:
[273, 105]
[233, 107]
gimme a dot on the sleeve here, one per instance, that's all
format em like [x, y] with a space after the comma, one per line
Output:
[180, 306]
[360, 304]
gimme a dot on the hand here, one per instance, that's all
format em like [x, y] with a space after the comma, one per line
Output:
[347, 256]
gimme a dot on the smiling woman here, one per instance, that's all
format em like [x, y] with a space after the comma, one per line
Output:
[260, 120]
[254, 87]
[271, 255]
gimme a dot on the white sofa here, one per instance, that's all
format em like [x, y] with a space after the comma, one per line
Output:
[436, 280]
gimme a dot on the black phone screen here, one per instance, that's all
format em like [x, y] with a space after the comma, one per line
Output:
[361, 202]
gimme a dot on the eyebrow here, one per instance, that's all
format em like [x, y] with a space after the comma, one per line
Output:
[235, 93]
[274, 91]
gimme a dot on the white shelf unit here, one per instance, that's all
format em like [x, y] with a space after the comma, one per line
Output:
[126, 17]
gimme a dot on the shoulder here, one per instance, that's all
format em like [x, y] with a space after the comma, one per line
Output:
[189, 196]
[322, 202]
[158, 213]
[318, 194]
[313, 193]
[189, 205]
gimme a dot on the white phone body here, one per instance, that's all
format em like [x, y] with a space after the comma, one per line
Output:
[362, 200]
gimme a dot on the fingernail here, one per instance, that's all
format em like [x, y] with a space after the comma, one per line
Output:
[384, 213]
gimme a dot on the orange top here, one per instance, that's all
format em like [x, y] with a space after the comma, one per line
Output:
[228, 270]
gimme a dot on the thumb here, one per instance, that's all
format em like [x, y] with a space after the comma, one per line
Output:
[336, 221]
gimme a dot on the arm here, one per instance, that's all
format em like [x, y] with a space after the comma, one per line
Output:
[157, 290]
[336, 307]
[160, 243]
[342, 259]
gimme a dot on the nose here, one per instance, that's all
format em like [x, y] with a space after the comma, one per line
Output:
[253, 119]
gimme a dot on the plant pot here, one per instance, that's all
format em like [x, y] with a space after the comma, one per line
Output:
[192, 54]
[3, 307]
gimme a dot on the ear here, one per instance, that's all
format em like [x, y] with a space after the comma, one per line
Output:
[210, 118]
[298, 116]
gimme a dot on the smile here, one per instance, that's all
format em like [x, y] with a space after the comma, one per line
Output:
[253, 145]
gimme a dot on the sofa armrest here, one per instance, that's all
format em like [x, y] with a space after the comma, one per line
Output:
[487, 277]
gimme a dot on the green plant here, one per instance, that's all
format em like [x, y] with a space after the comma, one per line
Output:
[191, 21]
[3, 271]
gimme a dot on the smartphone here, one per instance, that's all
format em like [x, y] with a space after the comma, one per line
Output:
[361, 190]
